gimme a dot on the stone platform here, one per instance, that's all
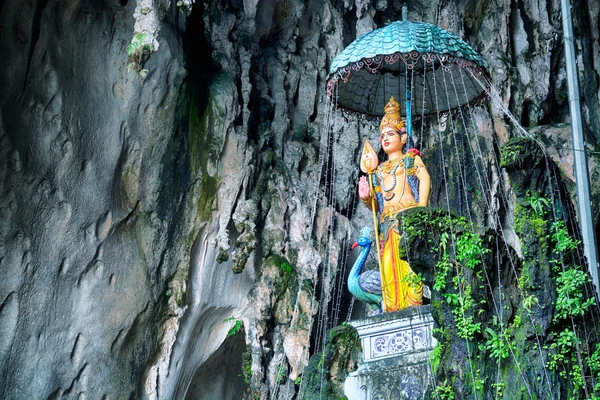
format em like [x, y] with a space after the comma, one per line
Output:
[395, 356]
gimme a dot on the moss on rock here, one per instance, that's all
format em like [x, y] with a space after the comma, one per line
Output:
[521, 153]
[324, 377]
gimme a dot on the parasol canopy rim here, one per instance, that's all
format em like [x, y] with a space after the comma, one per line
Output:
[405, 37]
[423, 49]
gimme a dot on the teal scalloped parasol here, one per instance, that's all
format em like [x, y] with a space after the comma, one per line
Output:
[441, 71]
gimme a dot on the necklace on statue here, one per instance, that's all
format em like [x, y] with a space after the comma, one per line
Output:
[390, 165]
[390, 168]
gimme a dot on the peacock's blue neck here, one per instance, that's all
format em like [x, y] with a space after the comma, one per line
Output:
[360, 261]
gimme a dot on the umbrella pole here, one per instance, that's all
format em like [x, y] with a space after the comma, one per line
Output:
[408, 105]
[377, 243]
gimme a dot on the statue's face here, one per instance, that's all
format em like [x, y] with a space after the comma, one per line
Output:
[391, 141]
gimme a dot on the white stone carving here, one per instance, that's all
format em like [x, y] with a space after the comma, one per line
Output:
[396, 337]
[395, 357]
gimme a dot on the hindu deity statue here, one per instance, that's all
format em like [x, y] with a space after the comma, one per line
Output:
[399, 183]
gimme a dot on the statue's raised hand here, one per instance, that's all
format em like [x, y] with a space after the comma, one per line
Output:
[364, 192]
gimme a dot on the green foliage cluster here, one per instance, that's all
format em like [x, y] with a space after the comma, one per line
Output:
[463, 305]
[238, 325]
[281, 375]
[520, 152]
[499, 386]
[499, 343]
[436, 356]
[286, 276]
[137, 43]
[443, 266]
[563, 358]
[444, 392]
[413, 280]
[139, 53]
[327, 370]
[459, 253]
[570, 290]
[567, 354]
[421, 222]
[560, 236]
[539, 204]
[286, 268]
[470, 251]
[247, 365]
[593, 363]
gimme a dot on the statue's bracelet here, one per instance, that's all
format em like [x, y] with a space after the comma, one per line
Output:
[367, 200]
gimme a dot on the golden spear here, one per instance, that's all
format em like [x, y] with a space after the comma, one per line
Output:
[368, 165]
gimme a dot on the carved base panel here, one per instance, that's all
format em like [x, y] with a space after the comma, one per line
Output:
[395, 358]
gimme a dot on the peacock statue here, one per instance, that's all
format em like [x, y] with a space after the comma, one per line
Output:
[366, 286]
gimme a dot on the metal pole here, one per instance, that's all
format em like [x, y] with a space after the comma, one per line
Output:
[407, 82]
[408, 106]
[581, 170]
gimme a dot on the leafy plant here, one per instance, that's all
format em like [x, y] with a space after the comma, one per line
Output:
[137, 42]
[247, 365]
[562, 351]
[436, 356]
[561, 237]
[286, 268]
[529, 302]
[444, 392]
[594, 362]
[563, 358]
[524, 279]
[570, 289]
[517, 321]
[537, 203]
[497, 344]
[238, 325]
[462, 308]
[467, 328]
[281, 374]
[499, 386]
[413, 280]
[478, 382]
[443, 266]
[470, 250]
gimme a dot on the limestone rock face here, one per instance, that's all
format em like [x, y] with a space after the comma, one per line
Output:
[148, 193]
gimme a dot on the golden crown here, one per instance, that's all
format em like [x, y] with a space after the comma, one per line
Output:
[392, 117]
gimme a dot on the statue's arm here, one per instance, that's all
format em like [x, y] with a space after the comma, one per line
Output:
[424, 181]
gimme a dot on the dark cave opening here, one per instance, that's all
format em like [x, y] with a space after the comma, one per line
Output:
[220, 377]
[525, 120]
[198, 55]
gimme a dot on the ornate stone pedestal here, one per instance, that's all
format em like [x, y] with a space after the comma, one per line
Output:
[395, 357]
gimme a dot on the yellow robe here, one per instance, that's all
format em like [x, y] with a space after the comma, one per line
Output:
[400, 290]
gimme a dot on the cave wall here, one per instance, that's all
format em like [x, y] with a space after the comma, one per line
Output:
[97, 212]
[132, 187]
